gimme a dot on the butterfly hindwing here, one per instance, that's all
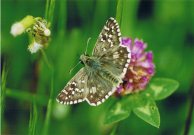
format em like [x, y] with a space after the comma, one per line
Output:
[117, 61]
[74, 92]
[99, 89]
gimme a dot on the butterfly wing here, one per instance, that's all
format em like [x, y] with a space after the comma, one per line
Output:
[75, 91]
[116, 62]
[109, 37]
[99, 89]
[113, 56]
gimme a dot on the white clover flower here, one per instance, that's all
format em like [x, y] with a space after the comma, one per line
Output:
[34, 47]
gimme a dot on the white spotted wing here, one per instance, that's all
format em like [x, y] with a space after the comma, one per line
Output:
[113, 55]
[74, 92]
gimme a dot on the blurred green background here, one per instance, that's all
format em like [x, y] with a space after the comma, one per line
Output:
[167, 26]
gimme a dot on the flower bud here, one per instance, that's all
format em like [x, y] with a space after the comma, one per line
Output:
[19, 27]
[34, 47]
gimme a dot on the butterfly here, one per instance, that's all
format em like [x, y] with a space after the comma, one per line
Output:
[102, 72]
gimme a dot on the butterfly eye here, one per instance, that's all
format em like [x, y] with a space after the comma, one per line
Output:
[81, 61]
[87, 61]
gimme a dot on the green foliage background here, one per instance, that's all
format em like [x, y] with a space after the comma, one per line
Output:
[28, 107]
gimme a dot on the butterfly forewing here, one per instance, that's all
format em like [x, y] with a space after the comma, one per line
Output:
[75, 90]
[109, 37]
[113, 56]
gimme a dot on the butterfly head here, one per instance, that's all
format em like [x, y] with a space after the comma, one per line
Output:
[84, 58]
[88, 61]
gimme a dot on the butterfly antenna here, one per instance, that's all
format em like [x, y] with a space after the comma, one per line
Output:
[74, 67]
[87, 44]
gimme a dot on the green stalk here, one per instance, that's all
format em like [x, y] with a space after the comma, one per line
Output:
[46, 59]
[188, 122]
[49, 106]
[113, 132]
[49, 10]
[3, 91]
[33, 118]
[49, 13]
[50, 102]
[3, 87]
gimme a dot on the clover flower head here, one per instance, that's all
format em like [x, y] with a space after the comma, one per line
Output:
[140, 69]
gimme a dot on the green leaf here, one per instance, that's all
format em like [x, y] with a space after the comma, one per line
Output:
[161, 88]
[146, 109]
[142, 103]
[117, 112]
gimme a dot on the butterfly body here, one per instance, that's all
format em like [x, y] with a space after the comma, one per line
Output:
[102, 72]
[91, 63]
[109, 76]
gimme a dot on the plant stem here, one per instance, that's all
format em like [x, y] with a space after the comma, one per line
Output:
[49, 106]
[50, 102]
[46, 59]
[46, 9]
[113, 132]
[49, 10]
[3, 86]
[49, 13]
[33, 118]
[190, 112]
[3, 90]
